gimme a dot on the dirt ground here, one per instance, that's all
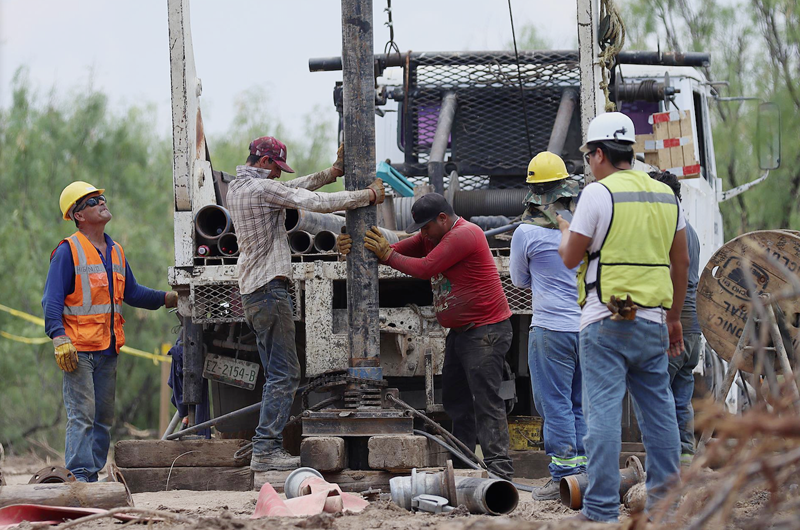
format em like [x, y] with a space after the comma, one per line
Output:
[231, 510]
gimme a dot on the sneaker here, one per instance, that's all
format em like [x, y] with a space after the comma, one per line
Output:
[548, 492]
[276, 460]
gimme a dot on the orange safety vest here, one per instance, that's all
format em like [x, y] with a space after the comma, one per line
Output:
[88, 311]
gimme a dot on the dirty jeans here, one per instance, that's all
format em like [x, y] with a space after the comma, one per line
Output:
[269, 313]
[682, 381]
[556, 381]
[89, 401]
[471, 378]
[616, 354]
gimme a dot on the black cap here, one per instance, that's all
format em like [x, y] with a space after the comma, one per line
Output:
[426, 209]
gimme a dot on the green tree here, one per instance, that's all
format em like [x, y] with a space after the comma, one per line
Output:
[755, 47]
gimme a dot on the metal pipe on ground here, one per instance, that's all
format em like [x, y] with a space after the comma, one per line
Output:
[572, 487]
[212, 221]
[441, 137]
[228, 245]
[506, 202]
[312, 222]
[301, 242]
[358, 125]
[479, 495]
[558, 137]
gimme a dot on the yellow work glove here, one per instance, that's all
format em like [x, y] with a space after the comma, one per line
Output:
[344, 242]
[338, 166]
[66, 354]
[171, 299]
[377, 188]
[374, 241]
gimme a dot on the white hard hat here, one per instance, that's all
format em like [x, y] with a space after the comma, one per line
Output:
[610, 126]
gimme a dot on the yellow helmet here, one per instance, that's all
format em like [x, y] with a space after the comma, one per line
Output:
[546, 167]
[72, 194]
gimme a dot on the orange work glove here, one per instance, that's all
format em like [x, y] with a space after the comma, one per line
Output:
[66, 354]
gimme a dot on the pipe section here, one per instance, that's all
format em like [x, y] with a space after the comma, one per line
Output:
[697, 59]
[325, 241]
[490, 202]
[301, 242]
[390, 236]
[479, 495]
[212, 221]
[558, 137]
[441, 137]
[572, 487]
[312, 222]
[228, 245]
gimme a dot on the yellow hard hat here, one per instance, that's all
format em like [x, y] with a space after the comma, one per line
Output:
[546, 167]
[72, 194]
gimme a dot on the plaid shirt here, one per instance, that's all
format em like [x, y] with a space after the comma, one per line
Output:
[257, 205]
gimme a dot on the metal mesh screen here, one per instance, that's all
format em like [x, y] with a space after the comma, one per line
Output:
[488, 137]
[221, 302]
[519, 300]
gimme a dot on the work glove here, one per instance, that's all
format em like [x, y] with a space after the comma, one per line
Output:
[377, 188]
[374, 241]
[344, 242]
[338, 166]
[622, 309]
[171, 299]
[66, 354]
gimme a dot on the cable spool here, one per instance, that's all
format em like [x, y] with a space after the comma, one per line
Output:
[723, 296]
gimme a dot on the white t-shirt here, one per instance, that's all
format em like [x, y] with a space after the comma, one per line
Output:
[591, 219]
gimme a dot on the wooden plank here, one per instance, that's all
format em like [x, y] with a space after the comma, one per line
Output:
[639, 147]
[675, 153]
[178, 453]
[686, 130]
[143, 479]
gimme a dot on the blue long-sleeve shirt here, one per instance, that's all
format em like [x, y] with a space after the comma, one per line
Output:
[61, 283]
[536, 265]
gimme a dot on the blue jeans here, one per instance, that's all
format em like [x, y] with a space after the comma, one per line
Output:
[269, 313]
[682, 381]
[89, 392]
[616, 354]
[556, 381]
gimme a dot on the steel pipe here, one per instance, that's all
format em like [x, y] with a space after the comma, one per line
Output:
[325, 241]
[172, 424]
[502, 229]
[210, 423]
[358, 125]
[193, 357]
[312, 222]
[699, 59]
[572, 487]
[228, 245]
[558, 137]
[441, 137]
[212, 221]
[301, 242]
[489, 202]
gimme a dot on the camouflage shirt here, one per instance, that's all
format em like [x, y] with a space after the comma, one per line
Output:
[542, 207]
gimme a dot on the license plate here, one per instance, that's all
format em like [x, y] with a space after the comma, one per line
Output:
[231, 371]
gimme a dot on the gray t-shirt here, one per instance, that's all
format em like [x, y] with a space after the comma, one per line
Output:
[689, 320]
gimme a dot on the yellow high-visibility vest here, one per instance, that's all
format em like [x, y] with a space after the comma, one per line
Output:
[634, 257]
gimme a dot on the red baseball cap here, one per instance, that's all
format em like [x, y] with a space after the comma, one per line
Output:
[273, 148]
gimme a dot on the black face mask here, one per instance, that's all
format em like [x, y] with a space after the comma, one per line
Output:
[543, 187]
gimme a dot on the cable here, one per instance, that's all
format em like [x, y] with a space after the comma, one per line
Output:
[473, 465]
[391, 45]
[519, 77]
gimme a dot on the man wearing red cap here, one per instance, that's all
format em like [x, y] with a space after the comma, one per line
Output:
[257, 202]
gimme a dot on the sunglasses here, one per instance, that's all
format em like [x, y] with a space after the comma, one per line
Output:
[91, 202]
[587, 155]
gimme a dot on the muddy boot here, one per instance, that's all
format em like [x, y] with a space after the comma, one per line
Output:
[548, 492]
[276, 460]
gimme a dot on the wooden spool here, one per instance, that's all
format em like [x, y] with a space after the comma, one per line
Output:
[723, 300]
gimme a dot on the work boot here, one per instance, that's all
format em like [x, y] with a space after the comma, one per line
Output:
[548, 492]
[275, 460]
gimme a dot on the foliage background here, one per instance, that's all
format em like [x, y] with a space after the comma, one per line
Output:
[48, 139]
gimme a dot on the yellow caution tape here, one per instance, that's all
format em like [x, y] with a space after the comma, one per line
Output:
[155, 357]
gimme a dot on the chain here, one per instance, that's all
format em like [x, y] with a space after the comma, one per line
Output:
[391, 45]
[611, 37]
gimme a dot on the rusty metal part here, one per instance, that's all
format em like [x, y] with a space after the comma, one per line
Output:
[52, 475]
[115, 475]
[331, 422]
[572, 487]
[724, 301]
[449, 483]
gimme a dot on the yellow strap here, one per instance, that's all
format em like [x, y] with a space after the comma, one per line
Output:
[155, 357]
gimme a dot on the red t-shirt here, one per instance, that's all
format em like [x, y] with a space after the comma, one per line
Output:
[464, 278]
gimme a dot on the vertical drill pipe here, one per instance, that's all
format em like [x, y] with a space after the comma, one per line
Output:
[193, 357]
[444, 125]
[558, 137]
[358, 73]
